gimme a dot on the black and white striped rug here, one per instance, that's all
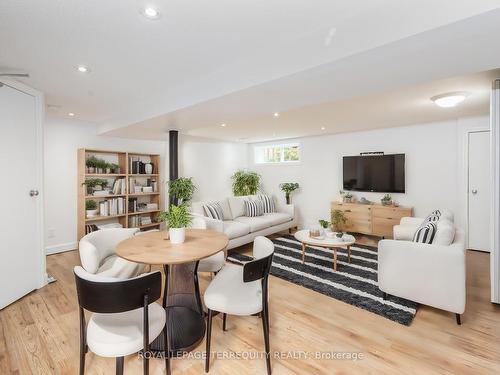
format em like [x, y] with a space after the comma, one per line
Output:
[354, 283]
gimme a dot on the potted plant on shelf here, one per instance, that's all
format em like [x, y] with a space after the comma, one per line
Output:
[109, 168]
[115, 168]
[181, 190]
[91, 163]
[101, 165]
[386, 200]
[177, 219]
[346, 196]
[91, 208]
[338, 222]
[288, 188]
[245, 183]
[92, 183]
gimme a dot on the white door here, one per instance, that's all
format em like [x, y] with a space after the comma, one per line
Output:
[20, 250]
[479, 190]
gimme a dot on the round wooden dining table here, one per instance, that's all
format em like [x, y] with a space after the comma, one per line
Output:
[181, 297]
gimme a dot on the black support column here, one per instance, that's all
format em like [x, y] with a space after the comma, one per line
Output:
[173, 156]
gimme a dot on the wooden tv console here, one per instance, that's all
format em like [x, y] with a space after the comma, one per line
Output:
[373, 219]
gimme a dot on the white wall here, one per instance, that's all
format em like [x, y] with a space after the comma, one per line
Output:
[62, 140]
[211, 164]
[434, 178]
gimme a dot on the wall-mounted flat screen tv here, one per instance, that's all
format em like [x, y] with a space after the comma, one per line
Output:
[377, 173]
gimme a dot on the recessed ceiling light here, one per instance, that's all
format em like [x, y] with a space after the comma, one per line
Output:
[450, 99]
[223, 125]
[71, 114]
[276, 114]
[323, 128]
[151, 13]
[83, 69]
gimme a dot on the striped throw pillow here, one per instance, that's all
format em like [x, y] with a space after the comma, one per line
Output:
[426, 233]
[268, 203]
[213, 210]
[254, 208]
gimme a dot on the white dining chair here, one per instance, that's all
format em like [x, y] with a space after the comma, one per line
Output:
[125, 317]
[98, 253]
[242, 290]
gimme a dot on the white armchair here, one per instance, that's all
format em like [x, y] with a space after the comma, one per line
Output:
[430, 274]
[98, 254]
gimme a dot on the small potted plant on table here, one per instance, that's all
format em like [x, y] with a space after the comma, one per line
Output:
[91, 208]
[177, 219]
[386, 200]
[288, 188]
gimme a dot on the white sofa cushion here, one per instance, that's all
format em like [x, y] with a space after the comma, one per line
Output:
[234, 229]
[278, 217]
[237, 206]
[445, 233]
[226, 210]
[256, 223]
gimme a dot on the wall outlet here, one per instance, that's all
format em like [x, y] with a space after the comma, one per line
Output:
[51, 233]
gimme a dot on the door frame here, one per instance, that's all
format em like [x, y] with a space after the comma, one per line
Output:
[39, 119]
[467, 186]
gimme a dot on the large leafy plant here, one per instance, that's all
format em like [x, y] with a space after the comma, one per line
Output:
[176, 217]
[245, 183]
[181, 189]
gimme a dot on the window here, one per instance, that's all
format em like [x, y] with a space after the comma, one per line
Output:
[283, 153]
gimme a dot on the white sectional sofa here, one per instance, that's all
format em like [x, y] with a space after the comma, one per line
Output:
[241, 229]
[432, 274]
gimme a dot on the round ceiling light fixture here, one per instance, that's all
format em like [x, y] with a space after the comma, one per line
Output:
[151, 13]
[71, 114]
[323, 128]
[223, 125]
[276, 114]
[450, 99]
[83, 69]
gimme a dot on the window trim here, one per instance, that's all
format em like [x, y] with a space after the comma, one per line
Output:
[282, 154]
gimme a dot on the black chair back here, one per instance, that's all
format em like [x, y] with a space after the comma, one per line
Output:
[257, 269]
[118, 296]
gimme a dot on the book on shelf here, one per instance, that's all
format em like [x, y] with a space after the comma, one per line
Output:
[119, 187]
[112, 207]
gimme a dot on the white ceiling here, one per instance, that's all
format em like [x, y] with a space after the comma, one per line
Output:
[207, 62]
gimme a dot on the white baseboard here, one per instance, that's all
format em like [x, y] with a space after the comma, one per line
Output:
[49, 250]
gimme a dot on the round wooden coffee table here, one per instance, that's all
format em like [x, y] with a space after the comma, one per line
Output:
[181, 297]
[332, 243]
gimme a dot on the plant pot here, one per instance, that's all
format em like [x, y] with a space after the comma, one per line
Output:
[90, 190]
[117, 170]
[386, 203]
[108, 170]
[177, 235]
[339, 234]
[91, 213]
[288, 200]
[90, 169]
[347, 200]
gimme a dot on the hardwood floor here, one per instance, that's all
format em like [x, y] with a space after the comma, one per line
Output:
[39, 334]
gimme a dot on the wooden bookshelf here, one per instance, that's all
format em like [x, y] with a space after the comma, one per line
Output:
[122, 159]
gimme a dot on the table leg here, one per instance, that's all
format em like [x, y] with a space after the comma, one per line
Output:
[303, 251]
[334, 259]
[349, 254]
[185, 319]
